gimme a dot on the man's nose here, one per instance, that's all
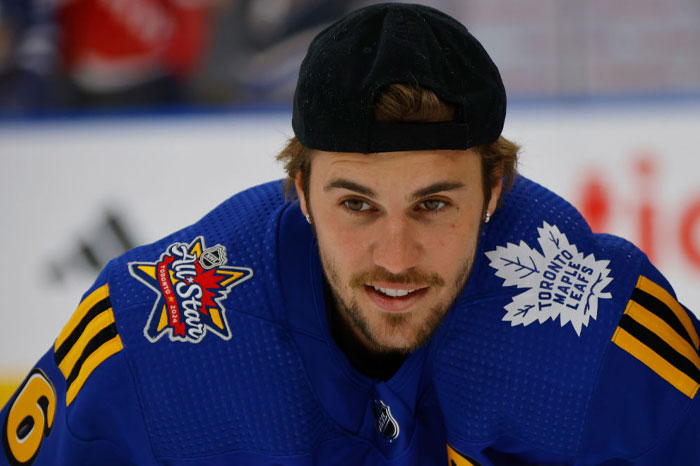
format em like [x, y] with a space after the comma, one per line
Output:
[397, 247]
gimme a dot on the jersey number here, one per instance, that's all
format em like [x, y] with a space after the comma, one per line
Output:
[29, 418]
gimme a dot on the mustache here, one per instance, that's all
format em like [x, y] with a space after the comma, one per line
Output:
[410, 277]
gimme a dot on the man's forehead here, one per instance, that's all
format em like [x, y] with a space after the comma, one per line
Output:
[417, 165]
[397, 159]
[411, 175]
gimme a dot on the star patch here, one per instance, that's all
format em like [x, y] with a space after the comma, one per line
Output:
[191, 282]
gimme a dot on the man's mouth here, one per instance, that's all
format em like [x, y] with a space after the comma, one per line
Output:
[393, 292]
[395, 299]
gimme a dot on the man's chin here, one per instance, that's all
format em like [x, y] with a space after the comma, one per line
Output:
[396, 335]
[383, 331]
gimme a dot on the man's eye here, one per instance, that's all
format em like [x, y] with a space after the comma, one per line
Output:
[356, 205]
[432, 204]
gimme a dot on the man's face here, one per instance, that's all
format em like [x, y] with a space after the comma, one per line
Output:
[397, 234]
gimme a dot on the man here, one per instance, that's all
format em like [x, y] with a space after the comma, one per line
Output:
[416, 302]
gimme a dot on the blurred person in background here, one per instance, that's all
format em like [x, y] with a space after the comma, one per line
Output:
[27, 54]
[130, 53]
[257, 46]
[150, 53]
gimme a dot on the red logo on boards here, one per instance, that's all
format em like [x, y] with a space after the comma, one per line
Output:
[651, 228]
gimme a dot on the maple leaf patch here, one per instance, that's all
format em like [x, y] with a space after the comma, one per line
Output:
[560, 281]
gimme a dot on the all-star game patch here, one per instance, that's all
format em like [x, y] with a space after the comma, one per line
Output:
[192, 282]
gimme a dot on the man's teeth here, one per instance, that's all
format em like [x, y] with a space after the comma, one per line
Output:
[392, 292]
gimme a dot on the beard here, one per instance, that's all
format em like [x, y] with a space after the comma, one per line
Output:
[415, 328]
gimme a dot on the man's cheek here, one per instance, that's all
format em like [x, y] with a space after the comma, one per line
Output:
[348, 254]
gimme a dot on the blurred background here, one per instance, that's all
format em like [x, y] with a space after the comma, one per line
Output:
[123, 120]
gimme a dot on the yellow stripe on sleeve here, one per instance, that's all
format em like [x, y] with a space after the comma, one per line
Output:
[83, 308]
[663, 368]
[663, 330]
[95, 359]
[93, 328]
[665, 297]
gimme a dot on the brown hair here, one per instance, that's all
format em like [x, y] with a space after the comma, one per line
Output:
[400, 102]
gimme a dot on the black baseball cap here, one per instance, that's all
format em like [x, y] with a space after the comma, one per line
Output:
[351, 61]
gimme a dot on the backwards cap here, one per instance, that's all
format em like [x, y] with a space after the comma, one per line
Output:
[351, 61]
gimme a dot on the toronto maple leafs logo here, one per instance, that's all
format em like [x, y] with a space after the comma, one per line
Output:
[560, 282]
[192, 282]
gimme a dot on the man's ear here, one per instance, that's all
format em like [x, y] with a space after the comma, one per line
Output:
[495, 195]
[299, 185]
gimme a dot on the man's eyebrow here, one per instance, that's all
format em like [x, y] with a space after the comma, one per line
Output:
[349, 185]
[440, 186]
[436, 188]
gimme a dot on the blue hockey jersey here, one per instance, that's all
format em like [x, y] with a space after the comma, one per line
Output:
[212, 347]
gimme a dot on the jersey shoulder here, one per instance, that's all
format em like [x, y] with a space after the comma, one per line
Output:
[192, 272]
[645, 406]
[539, 254]
[532, 327]
[202, 321]
[175, 288]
